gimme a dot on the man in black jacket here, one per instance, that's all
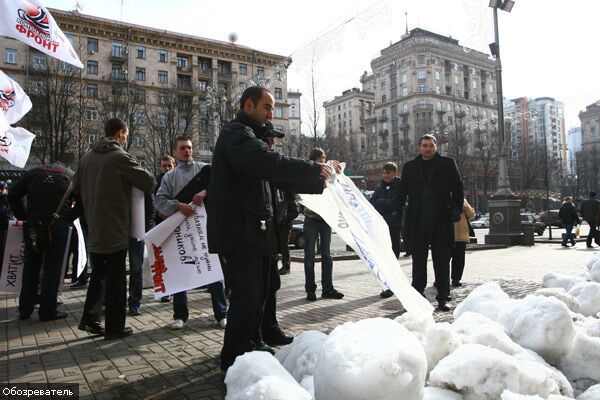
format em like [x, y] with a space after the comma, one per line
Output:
[240, 223]
[386, 200]
[435, 196]
[589, 212]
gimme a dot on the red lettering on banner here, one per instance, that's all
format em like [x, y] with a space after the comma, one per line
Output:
[37, 39]
[48, 44]
[4, 150]
[31, 33]
[158, 269]
[21, 29]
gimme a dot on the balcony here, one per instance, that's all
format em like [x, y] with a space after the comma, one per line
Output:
[405, 126]
[423, 107]
[403, 113]
[384, 146]
[120, 76]
[383, 119]
[460, 114]
[117, 56]
[441, 111]
[383, 132]
[204, 71]
[184, 86]
[184, 69]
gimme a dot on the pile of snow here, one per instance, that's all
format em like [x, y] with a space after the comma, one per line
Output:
[545, 346]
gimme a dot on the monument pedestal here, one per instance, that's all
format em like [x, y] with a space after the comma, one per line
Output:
[505, 221]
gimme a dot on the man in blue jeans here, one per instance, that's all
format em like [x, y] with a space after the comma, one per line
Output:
[188, 181]
[315, 226]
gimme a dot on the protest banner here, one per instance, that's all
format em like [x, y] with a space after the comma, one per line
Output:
[14, 259]
[14, 103]
[137, 227]
[81, 249]
[31, 23]
[15, 146]
[357, 222]
[178, 254]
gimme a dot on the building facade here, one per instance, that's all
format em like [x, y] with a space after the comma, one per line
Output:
[590, 126]
[574, 141]
[166, 83]
[294, 113]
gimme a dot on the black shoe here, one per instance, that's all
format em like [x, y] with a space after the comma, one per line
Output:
[127, 331]
[443, 307]
[406, 255]
[456, 284]
[23, 317]
[284, 270]
[58, 315]
[386, 293]
[564, 245]
[78, 284]
[94, 328]
[311, 296]
[332, 294]
[165, 299]
[134, 311]
[264, 347]
[277, 338]
[589, 246]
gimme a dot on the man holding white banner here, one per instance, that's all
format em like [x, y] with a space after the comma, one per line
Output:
[104, 180]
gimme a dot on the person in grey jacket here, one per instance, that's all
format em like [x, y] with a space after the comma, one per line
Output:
[103, 181]
[189, 177]
[589, 212]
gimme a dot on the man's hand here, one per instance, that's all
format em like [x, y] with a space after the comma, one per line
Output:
[336, 165]
[199, 198]
[326, 170]
[185, 209]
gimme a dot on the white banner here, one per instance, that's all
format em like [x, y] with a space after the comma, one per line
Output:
[31, 23]
[14, 103]
[178, 254]
[65, 260]
[81, 250]
[355, 220]
[15, 146]
[14, 259]
[137, 227]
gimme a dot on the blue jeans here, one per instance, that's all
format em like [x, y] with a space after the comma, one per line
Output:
[52, 259]
[136, 261]
[312, 229]
[568, 236]
[217, 296]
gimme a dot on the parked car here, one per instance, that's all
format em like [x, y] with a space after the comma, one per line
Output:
[297, 233]
[550, 217]
[481, 222]
[530, 219]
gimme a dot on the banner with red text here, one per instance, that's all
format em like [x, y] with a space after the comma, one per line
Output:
[30, 22]
[14, 259]
[15, 146]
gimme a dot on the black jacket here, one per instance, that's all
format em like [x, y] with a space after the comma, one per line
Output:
[447, 190]
[568, 214]
[386, 200]
[240, 210]
[589, 210]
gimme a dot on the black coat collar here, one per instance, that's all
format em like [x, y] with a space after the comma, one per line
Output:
[244, 119]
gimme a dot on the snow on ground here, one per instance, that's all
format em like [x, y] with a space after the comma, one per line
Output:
[545, 346]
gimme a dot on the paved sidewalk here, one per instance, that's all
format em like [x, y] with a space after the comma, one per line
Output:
[158, 363]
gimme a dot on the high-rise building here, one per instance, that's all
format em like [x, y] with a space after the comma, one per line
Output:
[573, 147]
[294, 113]
[163, 83]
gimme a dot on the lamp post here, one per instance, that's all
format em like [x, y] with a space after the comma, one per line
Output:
[504, 207]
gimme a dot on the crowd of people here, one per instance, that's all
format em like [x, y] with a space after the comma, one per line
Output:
[249, 194]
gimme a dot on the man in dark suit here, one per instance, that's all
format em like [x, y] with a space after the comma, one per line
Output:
[434, 189]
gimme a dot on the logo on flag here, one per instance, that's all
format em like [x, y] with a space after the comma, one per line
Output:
[38, 19]
[7, 99]
[14, 103]
[34, 24]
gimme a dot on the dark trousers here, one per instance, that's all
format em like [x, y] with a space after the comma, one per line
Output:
[247, 280]
[3, 235]
[136, 261]
[568, 235]
[458, 261]
[107, 285]
[395, 236]
[284, 237]
[269, 324]
[593, 235]
[441, 262]
[51, 259]
[217, 297]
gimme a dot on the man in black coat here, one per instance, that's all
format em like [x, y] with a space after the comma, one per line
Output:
[434, 189]
[589, 212]
[240, 223]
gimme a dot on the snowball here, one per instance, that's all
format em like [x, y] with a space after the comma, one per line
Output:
[478, 329]
[564, 281]
[508, 395]
[593, 393]
[542, 324]
[487, 299]
[483, 373]
[588, 295]
[417, 326]
[299, 357]
[308, 384]
[258, 375]
[594, 271]
[592, 261]
[372, 358]
[591, 327]
[583, 361]
[562, 295]
[434, 393]
[440, 339]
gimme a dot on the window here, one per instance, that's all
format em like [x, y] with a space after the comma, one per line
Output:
[278, 93]
[260, 72]
[420, 59]
[162, 120]
[139, 96]
[383, 98]
[421, 74]
[163, 77]
[491, 88]
[92, 45]
[404, 92]
[203, 125]
[278, 112]
[163, 55]
[439, 106]
[140, 52]
[117, 50]
[404, 78]
[139, 139]
[39, 61]
[162, 99]
[92, 67]
[92, 90]
[243, 69]
[437, 75]
[10, 56]
[382, 72]
[278, 74]
[91, 114]
[205, 64]
[182, 62]
[202, 85]
[456, 79]
[474, 84]
[139, 118]
[422, 87]
[140, 74]
[405, 107]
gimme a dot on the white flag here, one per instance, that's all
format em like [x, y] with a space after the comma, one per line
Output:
[15, 145]
[14, 103]
[31, 23]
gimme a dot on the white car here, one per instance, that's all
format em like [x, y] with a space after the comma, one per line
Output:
[480, 223]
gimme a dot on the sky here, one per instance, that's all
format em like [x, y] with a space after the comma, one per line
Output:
[548, 47]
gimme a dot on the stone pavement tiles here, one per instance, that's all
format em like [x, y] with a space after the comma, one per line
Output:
[157, 363]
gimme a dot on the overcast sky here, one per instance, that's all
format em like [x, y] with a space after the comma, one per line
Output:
[548, 47]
